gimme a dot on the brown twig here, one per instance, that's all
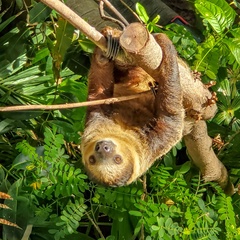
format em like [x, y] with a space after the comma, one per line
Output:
[95, 225]
[103, 16]
[73, 105]
[115, 11]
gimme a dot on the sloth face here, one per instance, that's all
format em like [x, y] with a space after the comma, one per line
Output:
[112, 155]
[108, 161]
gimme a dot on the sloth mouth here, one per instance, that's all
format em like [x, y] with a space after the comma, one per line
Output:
[111, 178]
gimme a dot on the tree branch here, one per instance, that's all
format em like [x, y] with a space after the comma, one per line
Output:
[73, 105]
[77, 22]
[144, 47]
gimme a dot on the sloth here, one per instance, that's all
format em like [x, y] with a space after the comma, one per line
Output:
[122, 140]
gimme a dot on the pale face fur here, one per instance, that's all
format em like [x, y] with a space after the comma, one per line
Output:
[123, 165]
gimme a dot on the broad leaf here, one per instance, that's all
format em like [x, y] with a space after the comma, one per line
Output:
[39, 13]
[64, 36]
[234, 46]
[218, 13]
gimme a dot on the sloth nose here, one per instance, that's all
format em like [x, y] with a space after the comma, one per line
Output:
[104, 147]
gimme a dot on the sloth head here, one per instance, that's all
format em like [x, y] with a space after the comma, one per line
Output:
[111, 160]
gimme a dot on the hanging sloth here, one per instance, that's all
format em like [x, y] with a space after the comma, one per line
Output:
[122, 140]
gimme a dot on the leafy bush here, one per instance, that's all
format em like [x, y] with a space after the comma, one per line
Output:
[52, 198]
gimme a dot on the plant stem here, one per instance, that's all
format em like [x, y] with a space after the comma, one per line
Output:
[95, 225]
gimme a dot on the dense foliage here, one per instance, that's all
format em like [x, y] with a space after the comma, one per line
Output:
[42, 62]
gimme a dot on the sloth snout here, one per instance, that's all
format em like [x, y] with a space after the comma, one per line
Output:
[104, 147]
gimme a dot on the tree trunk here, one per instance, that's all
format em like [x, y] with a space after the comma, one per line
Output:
[199, 147]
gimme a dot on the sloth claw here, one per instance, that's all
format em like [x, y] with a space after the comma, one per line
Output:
[112, 47]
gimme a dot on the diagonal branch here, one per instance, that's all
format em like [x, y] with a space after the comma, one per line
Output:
[144, 46]
[77, 22]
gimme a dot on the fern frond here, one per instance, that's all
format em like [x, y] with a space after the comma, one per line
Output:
[25, 148]
[208, 57]
[227, 215]
[70, 218]
[64, 180]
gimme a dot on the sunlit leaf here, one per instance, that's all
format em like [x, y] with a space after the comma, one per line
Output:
[141, 11]
[218, 13]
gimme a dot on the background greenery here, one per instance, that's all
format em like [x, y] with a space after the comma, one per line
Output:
[42, 62]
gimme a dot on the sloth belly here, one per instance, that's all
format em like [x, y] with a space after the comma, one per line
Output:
[136, 112]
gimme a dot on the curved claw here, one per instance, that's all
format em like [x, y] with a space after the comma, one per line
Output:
[112, 47]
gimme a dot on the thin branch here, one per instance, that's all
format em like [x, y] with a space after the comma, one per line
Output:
[89, 31]
[116, 12]
[103, 16]
[73, 105]
[137, 17]
[95, 225]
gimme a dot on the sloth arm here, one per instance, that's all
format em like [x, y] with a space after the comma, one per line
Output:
[165, 130]
[100, 82]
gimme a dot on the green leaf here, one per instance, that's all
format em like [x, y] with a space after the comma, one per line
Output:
[135, 213]
[19, 4]
[5, 125]
[161, 233]
[211, 74]
[39, 13]
[236, 103]
[40, 55]
[11, 215]
[78, 89]
[168, 223]
[141, 11]
[155, 228]
[185, 167]
[156, 19]
[208, 57]
[237, 114]
[234, 46]
[217, 12]
[223, 216]
[201, 204]
[64, 36]
[22, 115]
[86, 45]
[8, 21]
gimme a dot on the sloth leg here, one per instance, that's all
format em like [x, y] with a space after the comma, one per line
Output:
[165, 130]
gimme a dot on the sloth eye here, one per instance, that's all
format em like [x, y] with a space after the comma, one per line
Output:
[118, 159]
[92, 160]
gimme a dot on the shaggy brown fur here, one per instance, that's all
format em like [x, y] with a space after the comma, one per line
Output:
[123, 140]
